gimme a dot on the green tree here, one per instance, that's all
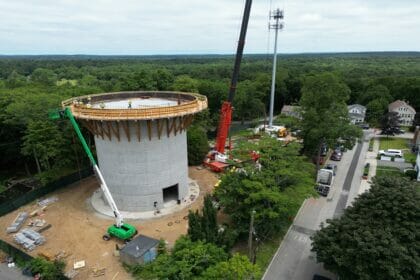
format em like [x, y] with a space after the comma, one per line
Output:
[275, 191]
[390, 121]
[248, 102]
[15, 80]
[375, 92]
[236, 268]
[375, 110]
[44, 77]
[44, 142]
[185, 83]
[377, 237]
[197, 144]
[324, 112]
[163, 79]
[188, 260]
[48, 270]
[204, 227]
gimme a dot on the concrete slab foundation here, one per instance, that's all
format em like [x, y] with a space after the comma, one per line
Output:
[169, 207]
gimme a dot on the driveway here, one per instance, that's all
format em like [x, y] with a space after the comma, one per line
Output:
[294, 259]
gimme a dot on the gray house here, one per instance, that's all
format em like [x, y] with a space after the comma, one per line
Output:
[405, 112]
[141, 249]
[357, 113]
[291, 111]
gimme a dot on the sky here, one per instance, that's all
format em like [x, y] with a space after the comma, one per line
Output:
[147, 27]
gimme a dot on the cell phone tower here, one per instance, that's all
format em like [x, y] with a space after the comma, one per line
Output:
[277, 24]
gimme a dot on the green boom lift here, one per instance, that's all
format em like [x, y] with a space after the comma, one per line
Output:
[120, 229]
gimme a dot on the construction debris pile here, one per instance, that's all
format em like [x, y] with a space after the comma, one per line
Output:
[31, 237]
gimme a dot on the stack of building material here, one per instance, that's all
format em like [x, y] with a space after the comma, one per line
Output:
[26, 243]
[47, 201]
[33, 235]
[17, 223]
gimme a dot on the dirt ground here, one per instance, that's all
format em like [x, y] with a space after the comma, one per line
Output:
[77, 228]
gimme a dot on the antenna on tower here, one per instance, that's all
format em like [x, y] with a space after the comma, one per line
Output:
[277, 24]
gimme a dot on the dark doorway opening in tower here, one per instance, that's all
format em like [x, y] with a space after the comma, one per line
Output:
[170, 195]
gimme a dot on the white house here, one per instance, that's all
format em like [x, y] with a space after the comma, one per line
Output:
[357, 113]
[406, 113]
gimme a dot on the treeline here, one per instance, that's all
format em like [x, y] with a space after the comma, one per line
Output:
[30, 86]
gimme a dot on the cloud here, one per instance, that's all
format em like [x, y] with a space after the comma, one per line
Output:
[184, 26]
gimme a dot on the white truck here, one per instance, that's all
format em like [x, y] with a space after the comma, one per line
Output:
[324, 181]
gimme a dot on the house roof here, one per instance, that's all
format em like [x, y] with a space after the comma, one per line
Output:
[399, 103]
[139, 246]
[356, 105]
[289, 108]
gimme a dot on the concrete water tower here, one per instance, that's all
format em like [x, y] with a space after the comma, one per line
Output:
[141, 143]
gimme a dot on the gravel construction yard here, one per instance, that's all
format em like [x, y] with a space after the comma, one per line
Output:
[77, 228]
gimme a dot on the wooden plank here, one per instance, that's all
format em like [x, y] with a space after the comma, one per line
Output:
[126, 128]
[108, 130]
[101, 129]
[168, 130]
[174, 125]
[180, 124]
[138, 130]
[159, 126]
[116, 130]
[149, 129]
[117, 123]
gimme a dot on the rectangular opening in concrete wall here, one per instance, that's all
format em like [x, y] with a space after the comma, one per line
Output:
[170, 194]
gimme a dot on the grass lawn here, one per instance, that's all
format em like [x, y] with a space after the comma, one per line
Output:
[266, 249]
[65, 81]
[410, 157]
[388, 171]
[393, 143]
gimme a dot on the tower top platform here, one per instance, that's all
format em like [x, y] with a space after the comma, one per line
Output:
[135, 105]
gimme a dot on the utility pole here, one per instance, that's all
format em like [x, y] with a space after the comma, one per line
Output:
[277, 15]
[251, 236]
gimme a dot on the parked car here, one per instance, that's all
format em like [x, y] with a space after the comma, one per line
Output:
[392, 131]
[332, 167]
[388, 131]
[364, 125]
[336, 155]
[324, 150]
[391, 153]
[397, 130]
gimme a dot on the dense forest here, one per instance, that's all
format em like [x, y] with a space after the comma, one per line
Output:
[30, 143]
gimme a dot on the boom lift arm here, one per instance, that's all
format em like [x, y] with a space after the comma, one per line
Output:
[226, 111]
[118, 217]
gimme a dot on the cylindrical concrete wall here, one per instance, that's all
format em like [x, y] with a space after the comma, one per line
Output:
[137, 171]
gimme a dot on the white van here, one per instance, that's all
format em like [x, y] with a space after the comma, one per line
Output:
[391, 153]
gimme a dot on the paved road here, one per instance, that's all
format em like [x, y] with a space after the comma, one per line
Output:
[339, 209]
[294, 259]
[7, 273]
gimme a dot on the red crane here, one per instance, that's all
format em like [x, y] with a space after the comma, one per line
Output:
[218, 155]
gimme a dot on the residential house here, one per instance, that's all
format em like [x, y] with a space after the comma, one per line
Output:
[406, 113]
[357, 113]
[291, 111]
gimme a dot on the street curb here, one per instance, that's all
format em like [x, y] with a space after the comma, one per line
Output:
[278, 249]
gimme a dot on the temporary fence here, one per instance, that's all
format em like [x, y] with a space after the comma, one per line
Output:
[15, 253]
[14, 203]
